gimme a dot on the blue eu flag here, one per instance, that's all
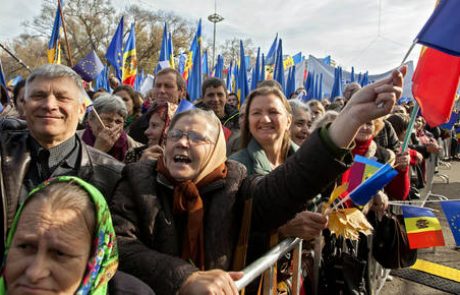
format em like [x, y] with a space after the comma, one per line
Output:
[114, 53]
[452, 211]
[89, 67]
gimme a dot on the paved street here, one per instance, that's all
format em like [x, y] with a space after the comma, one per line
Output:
[443, 255]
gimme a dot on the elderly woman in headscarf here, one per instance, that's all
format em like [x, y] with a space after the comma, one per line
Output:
[104, 130]
[62, 242]
[178, 218]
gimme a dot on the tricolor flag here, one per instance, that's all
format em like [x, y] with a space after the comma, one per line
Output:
[54, 45]
[130, 58]
[361, 169]
[422, 227]
[195, 49]
[364, 192]
[192, 71]
[436, 78]
[171, 51]
[452, 211]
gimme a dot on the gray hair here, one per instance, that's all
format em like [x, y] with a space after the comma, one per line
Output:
[297, 104]
[210, 117]
[109, 103]
[55, 71]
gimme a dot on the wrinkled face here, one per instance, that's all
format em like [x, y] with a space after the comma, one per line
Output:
[110, 120]
[215, 98]
[49, 253]
[186, 154]
[232, 100]
[365, 132]
[300, 127]
[155, 129]
[268, 119]
[53, 109]
[165, 89]
[127, 99]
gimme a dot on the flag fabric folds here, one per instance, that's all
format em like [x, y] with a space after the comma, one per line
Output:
[271, 55]
[441, 31]
[219, 68]
[434, 84]
[278, 73]
[205, 64]
[164, 50]
[361, 169]
[192, 70]
[171, 51]
[422, 227]
[256, 71]
[54, 45]
[102, 80]
[366, 190]
[242, 81]
[229, 83]
[130, 58]
[114, 54]
[452, 211]
[89, 67]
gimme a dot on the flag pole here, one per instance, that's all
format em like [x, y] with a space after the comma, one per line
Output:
[15, 57]
[415, 110]
[69, 53]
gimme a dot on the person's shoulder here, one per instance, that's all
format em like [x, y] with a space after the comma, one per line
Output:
[240, 156]
[99, 158]
[12, 124]
[123, 283]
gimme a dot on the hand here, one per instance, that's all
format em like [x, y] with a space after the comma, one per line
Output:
[433, 148]
[419, 157]
[402, 161]
[306, 225]
[107, 137]
[152, 153]
[371, 102]
[214, 281]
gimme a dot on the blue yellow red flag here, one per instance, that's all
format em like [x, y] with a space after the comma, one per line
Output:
[130, 58]
[422, 227]
[193, 66]
[171, 51]
[441, 31]
[54, 45]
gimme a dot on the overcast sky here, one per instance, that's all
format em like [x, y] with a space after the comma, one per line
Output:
[348, 30]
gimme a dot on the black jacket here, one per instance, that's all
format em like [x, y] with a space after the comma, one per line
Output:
[95, 167]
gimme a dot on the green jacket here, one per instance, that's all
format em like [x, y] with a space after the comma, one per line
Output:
[255, 159]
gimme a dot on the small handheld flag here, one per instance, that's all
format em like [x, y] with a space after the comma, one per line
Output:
[184, 105]
[422, 227]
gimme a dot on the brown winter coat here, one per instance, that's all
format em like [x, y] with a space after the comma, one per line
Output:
[149, 235]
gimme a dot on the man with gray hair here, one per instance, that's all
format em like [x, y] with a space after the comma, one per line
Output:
[47, 146]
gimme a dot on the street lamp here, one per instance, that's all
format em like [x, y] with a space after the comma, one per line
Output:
[214, 18]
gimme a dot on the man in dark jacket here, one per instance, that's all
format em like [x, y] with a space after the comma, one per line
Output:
[45, 145]
[214, 98]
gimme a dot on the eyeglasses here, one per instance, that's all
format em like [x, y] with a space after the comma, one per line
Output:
[191, 136]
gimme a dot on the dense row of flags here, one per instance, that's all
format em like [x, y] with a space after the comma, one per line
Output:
[435, 81]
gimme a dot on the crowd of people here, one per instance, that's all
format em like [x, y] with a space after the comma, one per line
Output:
[129, 197]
